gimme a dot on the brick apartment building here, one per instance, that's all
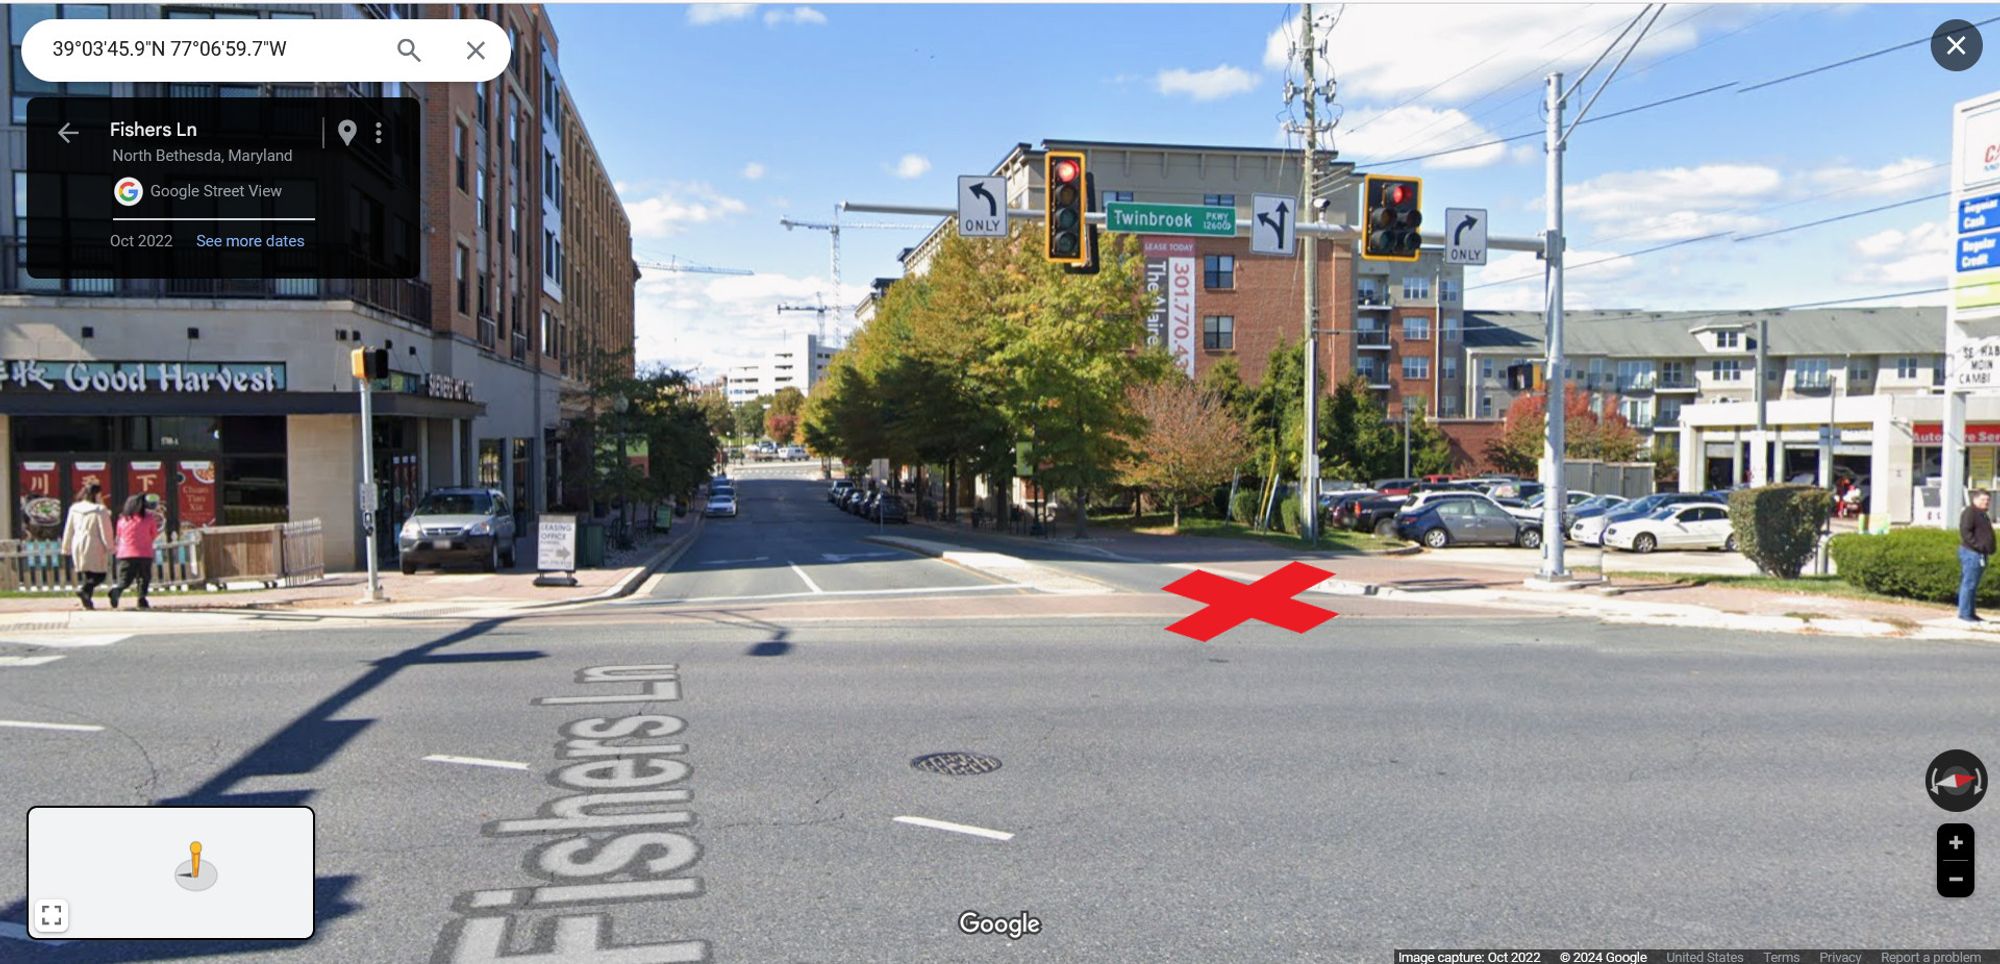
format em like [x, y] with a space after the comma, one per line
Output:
[527, 258]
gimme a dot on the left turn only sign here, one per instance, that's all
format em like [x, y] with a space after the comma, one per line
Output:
[982, 206]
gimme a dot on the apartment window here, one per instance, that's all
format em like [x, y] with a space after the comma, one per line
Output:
[1370, 371]
[1448, 290]
[1448, 368]
[1454, 328]
[1219, 271]
[1485, 406]
[1638, 412]
[1860, 372]
[1416, 366]
[1937, 370]
[1635, 376]
[1448, 406]
[485, 295]
[1486, 369]
[1810, 373]
[1416, 287]
[1110, 196]
[479, 189]
[1596, 375]
[1218, 333]
[548, 174]
[514, 131]
[514, 223]
[1728, 339]
[548, 253]
[1725, 370]
[1416, 328]
[1369, 292]
[458, 151]
[1670, 412]
[27, 85]
[1673, 374]
[1906, 367]
[1219, 200]
[479, 104]
[460, 270]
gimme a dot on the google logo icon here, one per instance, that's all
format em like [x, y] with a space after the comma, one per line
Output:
[128, 191]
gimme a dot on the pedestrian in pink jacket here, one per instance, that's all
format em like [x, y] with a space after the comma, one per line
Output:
[137, 528]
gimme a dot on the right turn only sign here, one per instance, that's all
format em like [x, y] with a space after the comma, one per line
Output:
[1464, 235]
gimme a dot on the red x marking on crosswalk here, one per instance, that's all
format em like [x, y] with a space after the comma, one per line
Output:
[1267, 600]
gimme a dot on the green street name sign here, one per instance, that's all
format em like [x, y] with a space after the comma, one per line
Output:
[1197, 220]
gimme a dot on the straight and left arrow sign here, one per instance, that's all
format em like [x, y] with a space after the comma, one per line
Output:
[982, 206]
[1274, 224]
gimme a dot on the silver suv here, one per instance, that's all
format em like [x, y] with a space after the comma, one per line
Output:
[458, 525]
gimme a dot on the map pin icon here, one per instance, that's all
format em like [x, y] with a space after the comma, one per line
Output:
[346, 129]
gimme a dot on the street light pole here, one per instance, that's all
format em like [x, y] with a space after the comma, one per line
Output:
[1309, 457]
[1553, 445]
[371, 510]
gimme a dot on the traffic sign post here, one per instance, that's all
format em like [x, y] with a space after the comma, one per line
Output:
[982, 206]
[1465, 236]
[1273, 227]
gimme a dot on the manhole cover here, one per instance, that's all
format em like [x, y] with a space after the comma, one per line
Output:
[957, 764]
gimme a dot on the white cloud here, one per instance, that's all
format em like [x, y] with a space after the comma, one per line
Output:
[1674, 203]
[1907, 176]
[1606, 285]
[753, 171]
[911, 167]
[710, 322]
[1465, 37]
[670, 209]
[1366, 134]
[703, 14]
[1919, 255]
[803, 15]
[1212, 84]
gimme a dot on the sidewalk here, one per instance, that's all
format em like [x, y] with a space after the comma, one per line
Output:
[428, 592]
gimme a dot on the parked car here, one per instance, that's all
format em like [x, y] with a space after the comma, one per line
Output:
[838, 489]
[1376, 514]
[890, 509]
[721, 505]
[852, 499]
[1701, 525]
[458, 525]
[1531, 508]
[1419, 501]
[1394, 486]
[1465, 521]
[1337, 505]
[1589, 530]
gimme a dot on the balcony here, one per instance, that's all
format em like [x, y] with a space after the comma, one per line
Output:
[1676, 385]
[1372, 338]
[1374, 377]
[1371, 298]
[404, 298]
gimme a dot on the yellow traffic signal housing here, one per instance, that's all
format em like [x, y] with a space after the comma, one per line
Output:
[1065, 199]
[1391, 217]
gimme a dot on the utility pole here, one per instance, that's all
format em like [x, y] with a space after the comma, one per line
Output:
[1553, 445]
[1309, 458]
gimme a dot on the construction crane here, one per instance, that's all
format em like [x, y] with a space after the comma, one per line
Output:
[676, 264]
[833, 230]
[820, 309]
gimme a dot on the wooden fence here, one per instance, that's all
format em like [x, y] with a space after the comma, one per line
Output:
[285, 553]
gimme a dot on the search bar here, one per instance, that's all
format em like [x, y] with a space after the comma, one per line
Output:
[265, 51]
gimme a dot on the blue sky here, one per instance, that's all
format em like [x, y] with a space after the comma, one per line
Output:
[718, 119]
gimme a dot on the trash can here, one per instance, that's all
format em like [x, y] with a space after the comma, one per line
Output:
[590, 545]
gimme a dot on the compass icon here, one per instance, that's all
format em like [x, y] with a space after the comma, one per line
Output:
[1956, 781]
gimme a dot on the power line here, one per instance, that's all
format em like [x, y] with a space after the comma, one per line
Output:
[1843, 217]
[1851, 60]
[1823, 195]
[1614, 257]
[1629, 317]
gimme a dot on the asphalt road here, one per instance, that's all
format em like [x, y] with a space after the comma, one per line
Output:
[1380, 783]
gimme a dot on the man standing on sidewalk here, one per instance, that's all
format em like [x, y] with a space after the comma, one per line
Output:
[1975, 543]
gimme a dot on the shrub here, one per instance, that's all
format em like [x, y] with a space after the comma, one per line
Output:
[1778, 526]
[1288, 516]
[1914, 563]
[1244, 507]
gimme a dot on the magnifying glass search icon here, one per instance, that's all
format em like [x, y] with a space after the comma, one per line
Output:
[408, 48]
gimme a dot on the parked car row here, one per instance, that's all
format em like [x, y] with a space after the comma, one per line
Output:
[874, 505]
[1441, 512]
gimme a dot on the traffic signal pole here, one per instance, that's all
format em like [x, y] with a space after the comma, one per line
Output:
[1309, 457]
[1554, 498]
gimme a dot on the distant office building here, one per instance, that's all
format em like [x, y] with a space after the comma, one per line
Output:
[800, 361]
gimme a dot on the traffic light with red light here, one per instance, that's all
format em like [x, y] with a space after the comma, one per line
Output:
[1065, 199]
[1391, 217]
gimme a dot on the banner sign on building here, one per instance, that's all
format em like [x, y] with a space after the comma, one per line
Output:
[1976, 433]
[148, 479]
[41, 515]
[1974, 363]
[1175, 311]
[33, 375]
[196, 490]
[84, 473]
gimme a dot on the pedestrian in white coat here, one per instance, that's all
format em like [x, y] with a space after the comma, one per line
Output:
[87, 539]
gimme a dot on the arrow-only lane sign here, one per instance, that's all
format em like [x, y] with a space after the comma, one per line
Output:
[1273, 227]
[1466, 235]
[982, 208]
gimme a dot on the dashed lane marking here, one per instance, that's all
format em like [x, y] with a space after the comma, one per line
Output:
[731, 562]
[31, 725]
[475, 761]
[956, 827]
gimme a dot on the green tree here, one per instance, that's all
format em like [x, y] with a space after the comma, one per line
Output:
[1586, 434]
[1430, 450]
[1357, 440]
[750, 417]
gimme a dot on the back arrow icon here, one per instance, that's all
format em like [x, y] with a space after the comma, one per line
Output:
[65, 133]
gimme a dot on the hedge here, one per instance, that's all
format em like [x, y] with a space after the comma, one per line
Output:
[1915, 563]
[1244, 507]
[1778, 526]
[1288, 515]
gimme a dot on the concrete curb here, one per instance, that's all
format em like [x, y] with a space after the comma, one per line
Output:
[630, 583]
[1031, 574]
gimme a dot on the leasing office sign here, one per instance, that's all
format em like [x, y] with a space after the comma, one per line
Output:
[249, 378]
